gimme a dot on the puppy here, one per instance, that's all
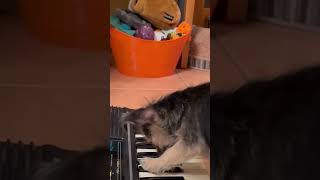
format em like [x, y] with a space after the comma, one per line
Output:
[178, 124]
[268, 129]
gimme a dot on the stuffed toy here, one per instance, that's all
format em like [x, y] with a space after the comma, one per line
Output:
[162, 14]
[184, 28]
[115, 22]
[145, 32]
[162, 34]
[130, 18]
[159, 35]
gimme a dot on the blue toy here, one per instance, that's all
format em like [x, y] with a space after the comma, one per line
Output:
[115, 22]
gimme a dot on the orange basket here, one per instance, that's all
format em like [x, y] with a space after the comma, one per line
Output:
[145, 58]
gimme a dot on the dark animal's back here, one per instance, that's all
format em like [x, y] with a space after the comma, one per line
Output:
[274, 126]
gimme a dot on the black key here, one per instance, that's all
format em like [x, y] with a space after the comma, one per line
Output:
[163, 178]
[140, 139]
[143, 142]
[145, 146]
[173, 170]
[147, 154]
[140, 169]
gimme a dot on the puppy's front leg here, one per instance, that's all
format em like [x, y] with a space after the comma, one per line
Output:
[173, 156]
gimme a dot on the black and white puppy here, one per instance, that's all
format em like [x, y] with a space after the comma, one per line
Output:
[268, 130]
[179, 124]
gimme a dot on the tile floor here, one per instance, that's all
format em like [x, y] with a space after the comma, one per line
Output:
[137, 92]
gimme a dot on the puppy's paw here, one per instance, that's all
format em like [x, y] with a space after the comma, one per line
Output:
[153, 165]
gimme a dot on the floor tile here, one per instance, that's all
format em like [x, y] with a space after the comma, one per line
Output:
[193, 77]
[134, 92]
[225, 75]
[127, 98]
[153, 96]
[120, 81]
[135, 98]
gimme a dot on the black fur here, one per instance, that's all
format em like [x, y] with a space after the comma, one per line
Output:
[268, 130]
[91, 165]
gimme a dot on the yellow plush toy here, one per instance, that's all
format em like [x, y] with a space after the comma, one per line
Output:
[163, 14]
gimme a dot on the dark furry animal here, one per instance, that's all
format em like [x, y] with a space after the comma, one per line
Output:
[178, 123]
[268, 130]
[90, 165]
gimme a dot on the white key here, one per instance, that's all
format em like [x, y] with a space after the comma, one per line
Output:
[146, 150]
[187, 176]
[190, 161]
[192, 171]
[139, 136]
[147, 174]
[195, 161]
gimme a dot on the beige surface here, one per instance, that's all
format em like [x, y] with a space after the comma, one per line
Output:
[137, 92]
[200, 43]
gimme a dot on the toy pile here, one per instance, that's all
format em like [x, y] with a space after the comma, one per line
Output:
[145, 19]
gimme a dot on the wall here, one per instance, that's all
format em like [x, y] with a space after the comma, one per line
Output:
[304, 12]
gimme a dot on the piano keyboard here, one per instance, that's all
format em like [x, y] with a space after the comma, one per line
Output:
[136, 148]
[190, 170]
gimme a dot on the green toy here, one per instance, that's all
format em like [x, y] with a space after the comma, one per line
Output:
[115, 22]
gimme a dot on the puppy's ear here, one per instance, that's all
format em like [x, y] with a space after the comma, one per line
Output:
[149, 116]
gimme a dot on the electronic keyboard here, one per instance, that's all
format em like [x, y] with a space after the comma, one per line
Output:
[127, 148]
